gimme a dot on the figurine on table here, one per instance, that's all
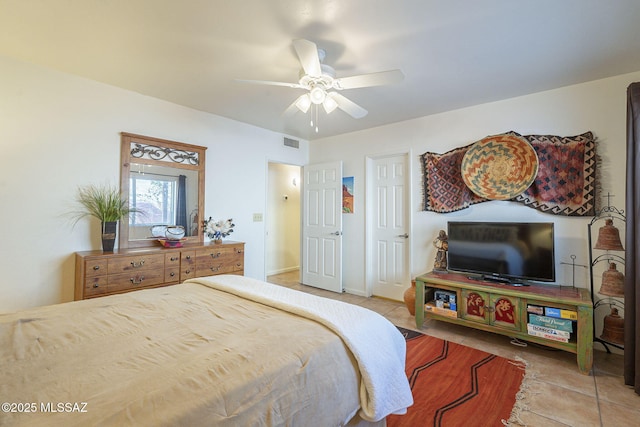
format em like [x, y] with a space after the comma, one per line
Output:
[442, 245]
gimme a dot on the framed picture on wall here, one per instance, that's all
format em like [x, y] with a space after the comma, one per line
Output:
[347, 194]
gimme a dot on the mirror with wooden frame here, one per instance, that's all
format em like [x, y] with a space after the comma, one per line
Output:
[164, 180]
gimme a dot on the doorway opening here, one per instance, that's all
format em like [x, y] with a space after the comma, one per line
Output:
[282, 247]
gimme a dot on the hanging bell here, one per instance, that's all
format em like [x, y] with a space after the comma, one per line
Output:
[609, 237]
[613, 330]
[612, 282]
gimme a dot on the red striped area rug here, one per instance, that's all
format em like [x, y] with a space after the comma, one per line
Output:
[454, 385]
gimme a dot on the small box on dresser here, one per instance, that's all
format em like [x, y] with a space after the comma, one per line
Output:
[104, 273]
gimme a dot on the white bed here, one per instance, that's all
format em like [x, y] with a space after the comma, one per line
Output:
[223, 350]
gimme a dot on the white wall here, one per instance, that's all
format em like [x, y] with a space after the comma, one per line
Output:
[58, 132]
[283, 219]
[598, 106]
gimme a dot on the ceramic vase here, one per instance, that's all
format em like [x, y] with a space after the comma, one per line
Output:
[410, 298]
[109, 235]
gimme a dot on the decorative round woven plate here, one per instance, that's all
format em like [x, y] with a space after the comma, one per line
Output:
[499, 167]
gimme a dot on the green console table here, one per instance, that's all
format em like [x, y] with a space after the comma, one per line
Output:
[507, 309]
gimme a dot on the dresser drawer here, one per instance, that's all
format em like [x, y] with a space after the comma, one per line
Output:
[237, 260]
[216, 259]
[172, 267]
[135, 280]
[136, 263]
[187, 265]
[172, 274]
[212, 252]
[96, 286]
[213, 269]
[95, 267]
[172, 260]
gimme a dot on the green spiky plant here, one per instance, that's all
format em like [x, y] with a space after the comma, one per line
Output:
[103, 202]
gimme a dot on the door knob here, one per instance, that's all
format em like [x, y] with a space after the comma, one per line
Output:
[337, 233]
[405, 235]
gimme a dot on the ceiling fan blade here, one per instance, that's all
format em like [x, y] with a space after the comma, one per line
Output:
[366, 80]
[267, 82]
[308, 54]
[348, 106]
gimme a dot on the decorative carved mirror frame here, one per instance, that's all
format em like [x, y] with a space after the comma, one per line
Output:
[147, 150]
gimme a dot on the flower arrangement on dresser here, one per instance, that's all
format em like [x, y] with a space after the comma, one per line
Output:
[218, 229]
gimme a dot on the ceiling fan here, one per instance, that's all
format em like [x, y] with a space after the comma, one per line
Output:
[322, 86]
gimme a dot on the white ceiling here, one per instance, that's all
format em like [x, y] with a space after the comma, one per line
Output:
[453, 53]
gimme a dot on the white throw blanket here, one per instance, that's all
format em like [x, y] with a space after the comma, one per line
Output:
[381, 356]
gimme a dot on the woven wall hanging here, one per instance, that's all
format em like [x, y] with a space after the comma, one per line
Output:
[499, 167]
[565, 183]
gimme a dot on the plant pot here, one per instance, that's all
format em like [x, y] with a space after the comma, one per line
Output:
[217, 241]
[109, 235]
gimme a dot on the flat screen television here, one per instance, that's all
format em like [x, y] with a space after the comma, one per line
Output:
[510, 252]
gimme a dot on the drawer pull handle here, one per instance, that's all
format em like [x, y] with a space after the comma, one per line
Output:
[96, 285]
[188, 257]
[138, 281]
[96, 267]
[215, 269]
[188, 271]
[174, 258]
[216, 255]
[137, 264]
[172, 274]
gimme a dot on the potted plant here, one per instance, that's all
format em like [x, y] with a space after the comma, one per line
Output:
[105, 203]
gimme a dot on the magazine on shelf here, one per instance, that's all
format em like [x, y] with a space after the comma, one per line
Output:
[547, 333]
[552, 322]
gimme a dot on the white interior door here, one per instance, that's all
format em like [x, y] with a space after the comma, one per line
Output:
[322, 226]
[389, 191]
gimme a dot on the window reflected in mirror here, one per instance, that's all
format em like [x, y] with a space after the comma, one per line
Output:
[164, 197]
[164, 181]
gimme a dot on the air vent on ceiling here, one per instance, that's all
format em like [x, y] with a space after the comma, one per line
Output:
[291, 142]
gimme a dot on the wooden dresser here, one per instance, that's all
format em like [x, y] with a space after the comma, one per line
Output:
[99, 273]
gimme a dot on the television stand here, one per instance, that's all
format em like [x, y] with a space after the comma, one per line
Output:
[502, 308]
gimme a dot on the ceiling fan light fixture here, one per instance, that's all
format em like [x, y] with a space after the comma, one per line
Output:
[322, 87]
[329, 104]
[317, 95]
[303, 103]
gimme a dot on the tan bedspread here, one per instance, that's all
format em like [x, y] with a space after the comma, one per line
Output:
[180, 355]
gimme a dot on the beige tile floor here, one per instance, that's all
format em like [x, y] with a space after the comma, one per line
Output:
[558, 395]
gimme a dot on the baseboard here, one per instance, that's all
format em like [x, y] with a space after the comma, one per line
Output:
[283, 270]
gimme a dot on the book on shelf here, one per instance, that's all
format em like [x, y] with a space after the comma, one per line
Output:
[547, 333]
[535, 309]
[432, 308]
[551, 322]
[560, 313]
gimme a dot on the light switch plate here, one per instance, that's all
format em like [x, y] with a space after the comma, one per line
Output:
[257, 217]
